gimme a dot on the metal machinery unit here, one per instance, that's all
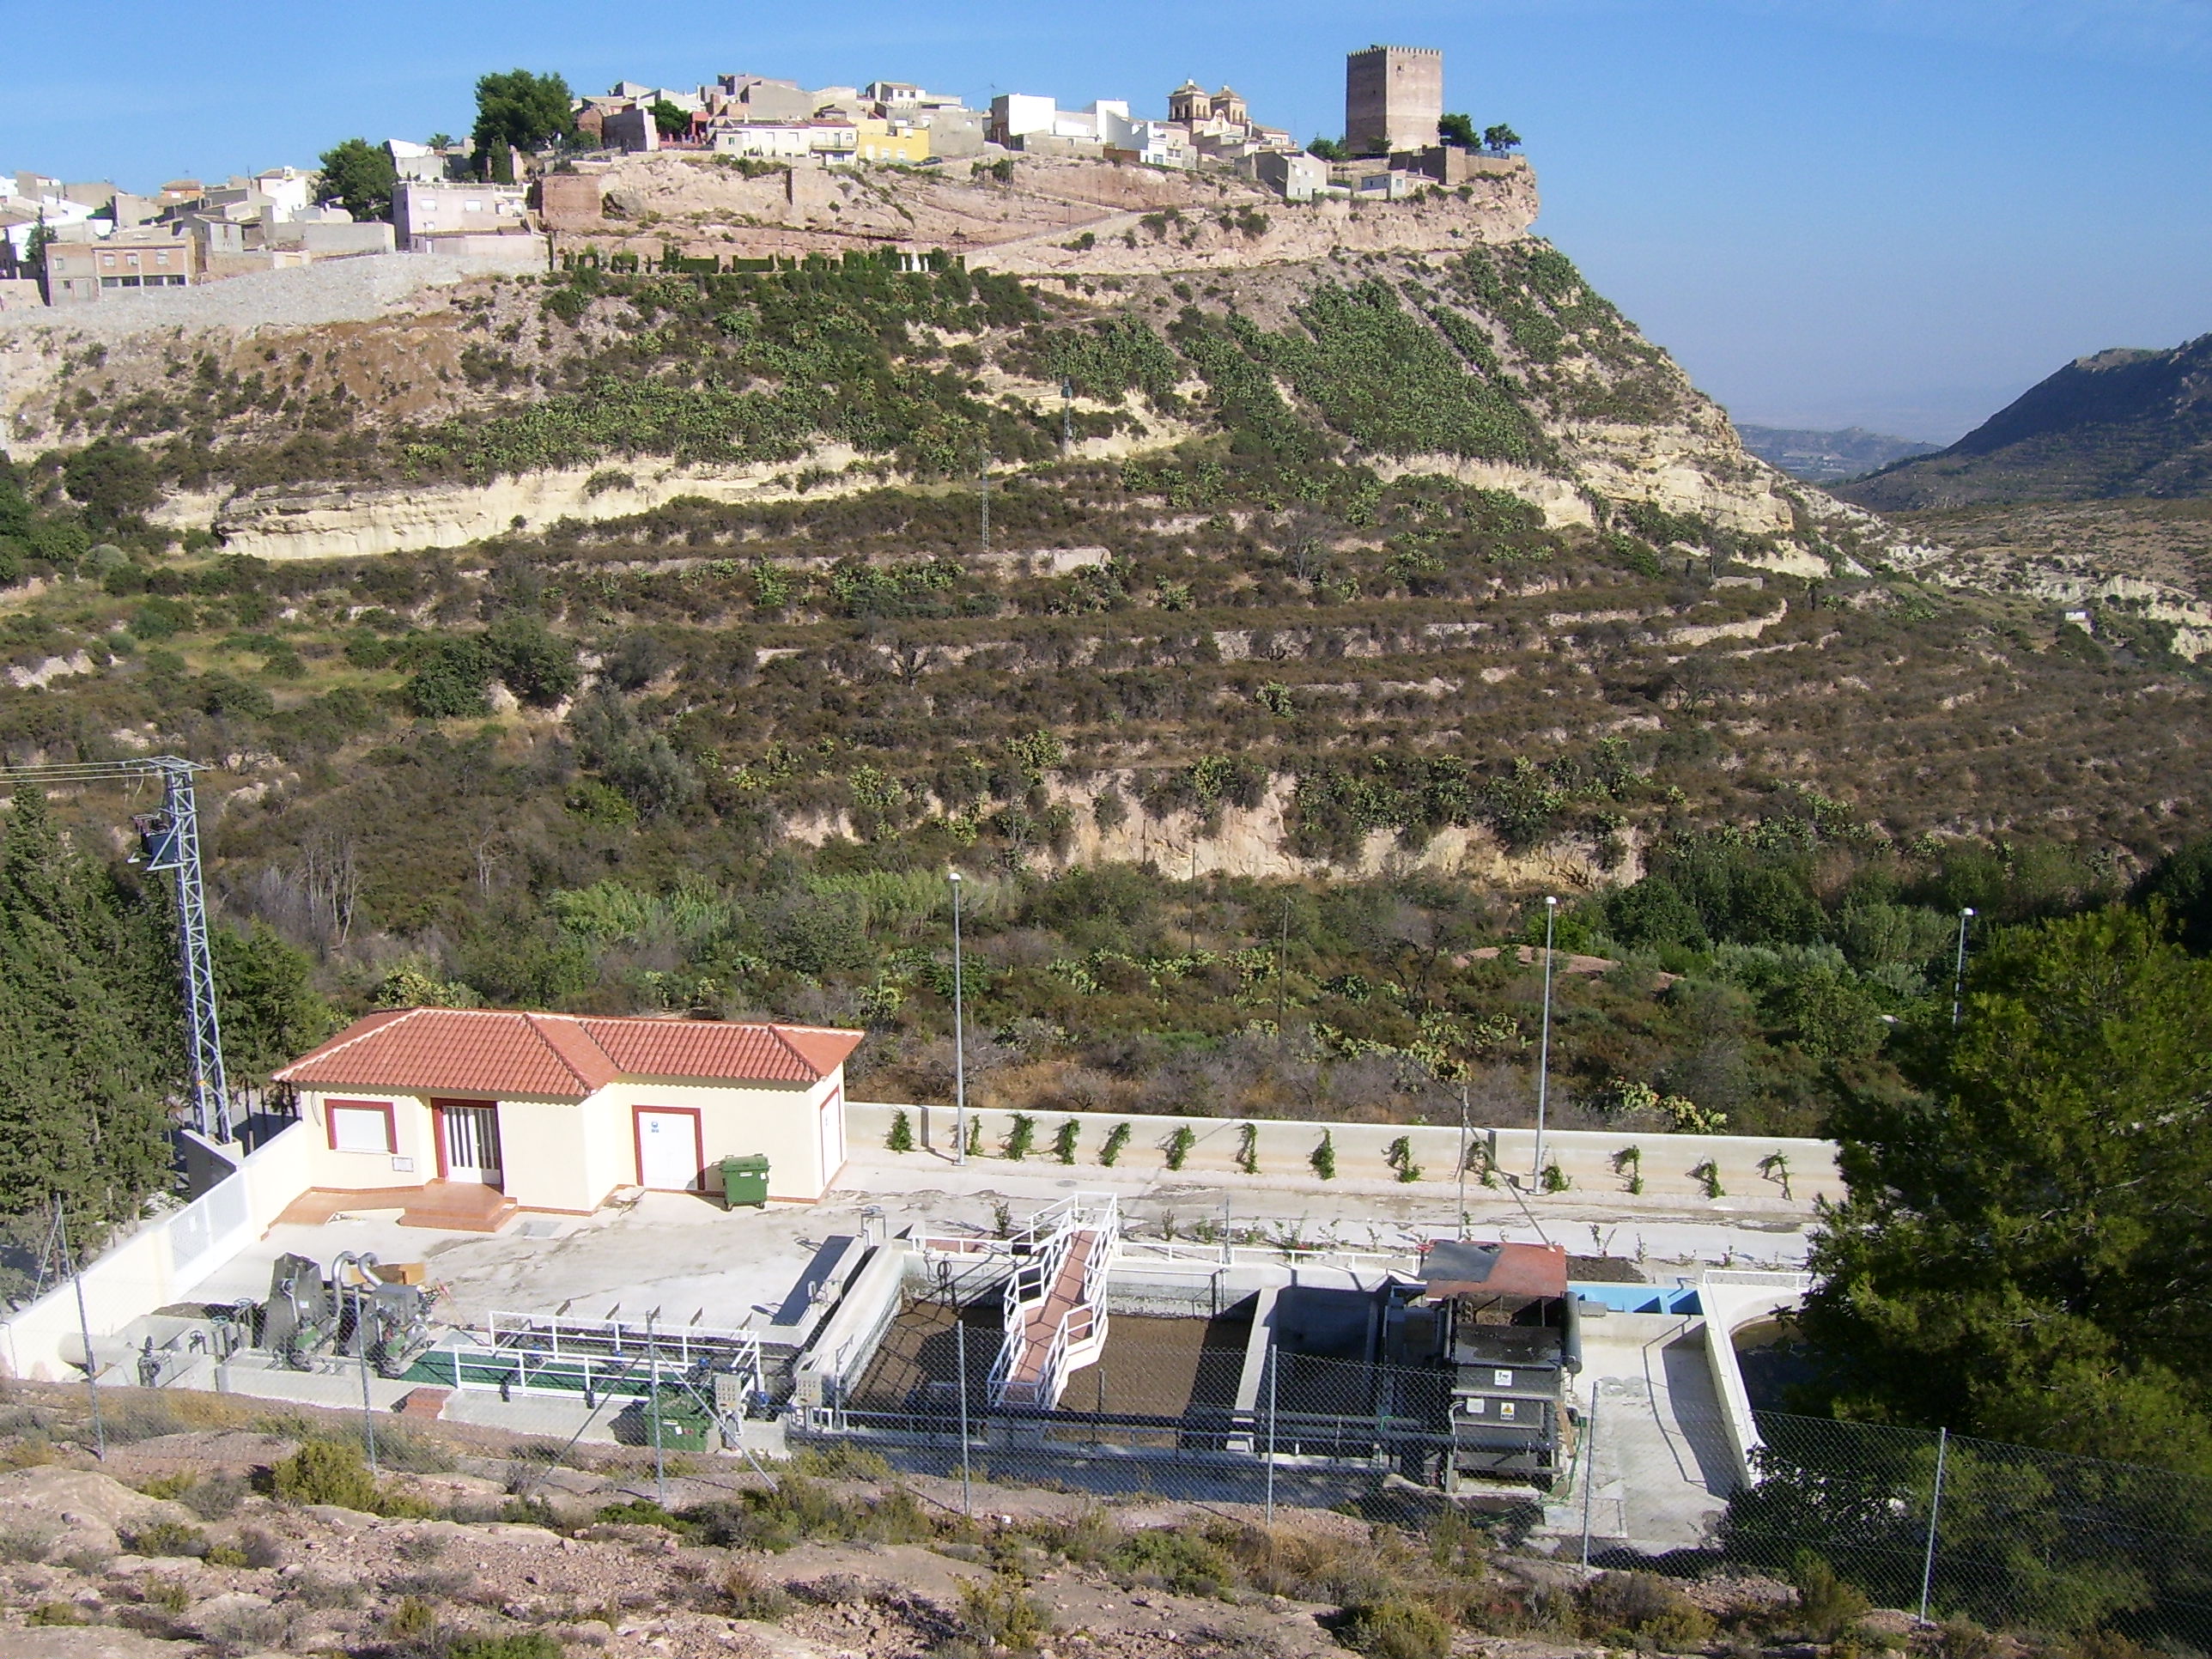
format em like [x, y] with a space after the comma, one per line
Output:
[169, 842]
[1499, 1322]
[682, 1381]
[353, 1313]
[386, 1323]
[299, 1319]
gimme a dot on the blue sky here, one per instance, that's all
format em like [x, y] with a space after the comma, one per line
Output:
[1894, 213]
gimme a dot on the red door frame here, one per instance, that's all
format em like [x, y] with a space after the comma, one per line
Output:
[439, 1106]
[698, 1145]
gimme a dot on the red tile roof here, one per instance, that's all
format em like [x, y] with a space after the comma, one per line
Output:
[501, 1052]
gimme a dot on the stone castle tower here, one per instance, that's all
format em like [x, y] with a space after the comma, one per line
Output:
[1393, 96]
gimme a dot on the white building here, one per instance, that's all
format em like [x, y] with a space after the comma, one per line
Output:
[1018, 115]
[422, 214]
[1152, 143]
[286, 192]
[414, 162]
[904, 98]
[789, 140]
[557, 1112]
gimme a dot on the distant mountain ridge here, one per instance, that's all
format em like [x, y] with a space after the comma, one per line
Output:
[2121, 422]
[1821, 457]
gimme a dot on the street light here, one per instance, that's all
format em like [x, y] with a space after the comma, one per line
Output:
[959, 1040]
[1959, 976]
[1460, 1230]
[1544, 1053]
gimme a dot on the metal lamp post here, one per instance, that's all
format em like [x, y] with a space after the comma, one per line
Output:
[1459, 1228]
[1544, 1050]
[959, 1038]
[1959, 974]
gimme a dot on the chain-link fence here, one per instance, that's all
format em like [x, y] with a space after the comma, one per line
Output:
[2003, 1535]
[1197, 1409]
[1258, 1420]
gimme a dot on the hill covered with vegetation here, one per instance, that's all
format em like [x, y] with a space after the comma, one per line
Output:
[2120, 423]
[1336, 613]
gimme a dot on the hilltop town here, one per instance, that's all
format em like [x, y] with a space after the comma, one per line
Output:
[796, 871]
[751, 166]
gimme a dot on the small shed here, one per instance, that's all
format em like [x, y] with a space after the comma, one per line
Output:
[558, 1111]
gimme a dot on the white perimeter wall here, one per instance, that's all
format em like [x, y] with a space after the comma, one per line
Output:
[1586, 1157]
[164, 1260]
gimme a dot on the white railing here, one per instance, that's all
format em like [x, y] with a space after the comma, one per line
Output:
[1043, 1251]
[1144, 1256]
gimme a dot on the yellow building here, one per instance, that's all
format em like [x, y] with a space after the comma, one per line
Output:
[890, 141]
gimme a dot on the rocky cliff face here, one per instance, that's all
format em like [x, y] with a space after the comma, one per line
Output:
[1428, 337]
[1044, 217]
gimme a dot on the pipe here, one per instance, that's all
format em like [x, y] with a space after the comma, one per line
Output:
[1570, 1335]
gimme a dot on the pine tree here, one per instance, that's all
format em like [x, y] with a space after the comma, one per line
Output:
[90, 1048]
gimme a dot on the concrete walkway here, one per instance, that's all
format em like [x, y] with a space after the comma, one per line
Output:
[1662, 1464]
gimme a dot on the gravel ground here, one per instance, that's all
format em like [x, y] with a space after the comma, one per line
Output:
[335, 291]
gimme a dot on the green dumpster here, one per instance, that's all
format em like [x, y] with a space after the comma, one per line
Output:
[744, 1180]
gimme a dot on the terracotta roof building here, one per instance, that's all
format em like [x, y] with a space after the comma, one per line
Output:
[558, 1111]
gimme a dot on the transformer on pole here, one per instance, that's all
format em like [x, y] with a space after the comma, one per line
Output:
[169, 841]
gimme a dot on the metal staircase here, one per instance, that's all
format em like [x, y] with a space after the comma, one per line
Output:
[1055, 1300]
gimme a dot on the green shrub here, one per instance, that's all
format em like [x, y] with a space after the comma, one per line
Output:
[1064, 1139]
[1324, 1155]
[1178, 1145]
[744, 1595]
[1398, 1155]
[226, 697]
[451, 680]
[413, 1622]
[1248, 1148]
[1826, 1606]
[535, 664]
[840, 1462]
[642, 1512]
[999, 1611]
[26, 1541]
[1642, 1610]
[1187, 1562]
[901, 1138]
[1021, 1137]
[328, 1471]
[1394, 1629]
[1116, 1138]
[166, 1538]
[517, 1644]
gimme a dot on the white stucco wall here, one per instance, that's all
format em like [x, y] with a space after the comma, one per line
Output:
[781, 1121]
[353, 1172]
[545, 1156]
[566, 1155]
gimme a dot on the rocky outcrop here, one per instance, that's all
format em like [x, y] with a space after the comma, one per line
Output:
[1048, 216]
[345, 521]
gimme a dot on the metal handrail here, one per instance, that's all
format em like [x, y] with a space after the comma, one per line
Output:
[1049, 1239]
